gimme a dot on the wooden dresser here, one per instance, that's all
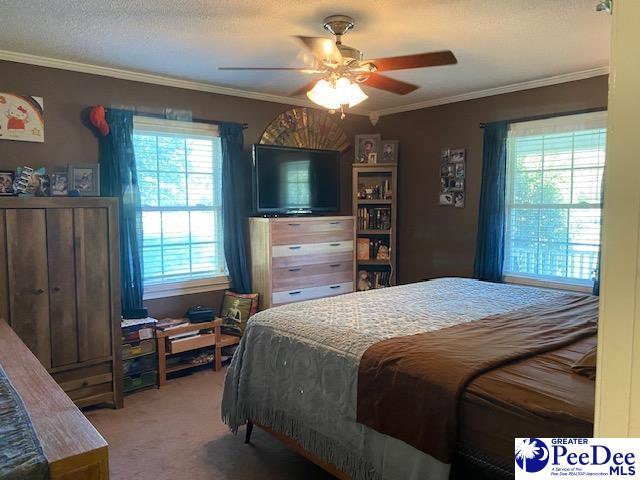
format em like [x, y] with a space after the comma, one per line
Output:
[301, 258]
[60, 290]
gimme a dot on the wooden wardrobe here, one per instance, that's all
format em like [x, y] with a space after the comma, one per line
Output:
[60, 290]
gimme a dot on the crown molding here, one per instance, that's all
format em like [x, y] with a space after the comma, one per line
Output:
[211, 88]
[154, 79]
[489, 92]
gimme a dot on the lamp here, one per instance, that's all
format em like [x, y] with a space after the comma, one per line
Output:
[335, 94]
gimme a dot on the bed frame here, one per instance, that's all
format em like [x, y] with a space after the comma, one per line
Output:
[465, 465]
[295, 446]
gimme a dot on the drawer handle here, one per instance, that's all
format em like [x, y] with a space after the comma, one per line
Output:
[297, 247]
[333, 287]
[294, 224]
[295, 269]
[334, 223]
[39, 291]
[334, 265]
[334, 244]
[295, 293]
[56, 289]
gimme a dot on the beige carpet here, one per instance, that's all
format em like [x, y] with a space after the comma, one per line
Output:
[176, 433]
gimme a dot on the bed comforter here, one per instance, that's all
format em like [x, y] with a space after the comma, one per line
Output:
[296, 369]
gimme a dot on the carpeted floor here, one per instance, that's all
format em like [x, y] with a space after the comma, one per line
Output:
[176, 433]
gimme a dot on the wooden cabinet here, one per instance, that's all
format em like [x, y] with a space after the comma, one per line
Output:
[295, 259]
[60, 290]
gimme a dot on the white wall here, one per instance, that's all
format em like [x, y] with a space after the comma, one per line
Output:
[618, 383]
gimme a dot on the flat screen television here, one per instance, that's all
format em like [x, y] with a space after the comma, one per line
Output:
[295, 181]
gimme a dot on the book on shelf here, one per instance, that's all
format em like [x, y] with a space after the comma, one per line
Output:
[180, 338]
[170, 323]
[363, 249]
[374, 218]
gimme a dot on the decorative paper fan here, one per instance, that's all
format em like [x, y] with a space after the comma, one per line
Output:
[305, 128]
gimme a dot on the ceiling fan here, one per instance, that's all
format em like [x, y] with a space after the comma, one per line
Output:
[343, 68]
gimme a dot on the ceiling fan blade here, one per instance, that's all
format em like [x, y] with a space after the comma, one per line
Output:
[389, 84]
[293, 69]
[304, 89]
[419, 60]
[324, 49]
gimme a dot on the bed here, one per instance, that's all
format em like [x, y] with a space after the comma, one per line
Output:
[314, 373]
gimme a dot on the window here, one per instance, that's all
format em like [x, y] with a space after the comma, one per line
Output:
[179, 175]
[553, 195]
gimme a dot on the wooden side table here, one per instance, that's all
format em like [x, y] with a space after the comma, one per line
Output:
[167, 347]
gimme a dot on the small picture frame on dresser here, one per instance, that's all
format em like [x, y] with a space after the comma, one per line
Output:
[85, 179]
[6, 183]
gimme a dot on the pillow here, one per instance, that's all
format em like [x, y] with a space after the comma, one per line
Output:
[236, 310]
[586, 365]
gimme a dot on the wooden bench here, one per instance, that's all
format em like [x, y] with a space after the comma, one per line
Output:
[72, 446]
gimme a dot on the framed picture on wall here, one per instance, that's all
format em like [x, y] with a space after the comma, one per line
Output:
[84, 179]
[452, 177]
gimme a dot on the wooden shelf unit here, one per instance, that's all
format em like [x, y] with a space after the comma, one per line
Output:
[372, 174]
[165, 349]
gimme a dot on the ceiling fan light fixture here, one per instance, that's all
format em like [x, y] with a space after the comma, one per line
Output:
[356, 95]
[334, 95]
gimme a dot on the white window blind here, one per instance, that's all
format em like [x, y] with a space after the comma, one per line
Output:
[179, 175]
[553, 198]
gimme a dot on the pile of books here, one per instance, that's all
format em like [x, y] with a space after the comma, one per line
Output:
[169, 324]
[370, 218]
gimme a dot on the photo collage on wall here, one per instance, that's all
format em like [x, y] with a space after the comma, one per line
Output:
[452, 177]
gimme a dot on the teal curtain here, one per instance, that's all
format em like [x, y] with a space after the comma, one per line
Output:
[236, 188]
[491, 217]
[118, 178]
[596, 276]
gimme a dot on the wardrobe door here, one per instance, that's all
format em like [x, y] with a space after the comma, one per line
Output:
[92, 283]
[62, 287]
[28, 279]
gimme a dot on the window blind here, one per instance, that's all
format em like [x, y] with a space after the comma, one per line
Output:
[553, 197]
[179, 177]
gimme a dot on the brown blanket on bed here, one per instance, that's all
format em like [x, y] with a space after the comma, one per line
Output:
[409, 387]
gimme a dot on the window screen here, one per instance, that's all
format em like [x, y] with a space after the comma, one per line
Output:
[553, 197]
[179, 176]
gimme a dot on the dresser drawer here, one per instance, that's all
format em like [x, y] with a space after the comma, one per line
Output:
[301, 249]
[305, 276]
[87, 385]
[300, 294]
[313, 259]
[313, 231]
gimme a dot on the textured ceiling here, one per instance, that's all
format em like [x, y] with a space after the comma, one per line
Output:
[497, 42]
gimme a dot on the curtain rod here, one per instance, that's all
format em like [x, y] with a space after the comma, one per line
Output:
[194, 120]
[551, 115]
